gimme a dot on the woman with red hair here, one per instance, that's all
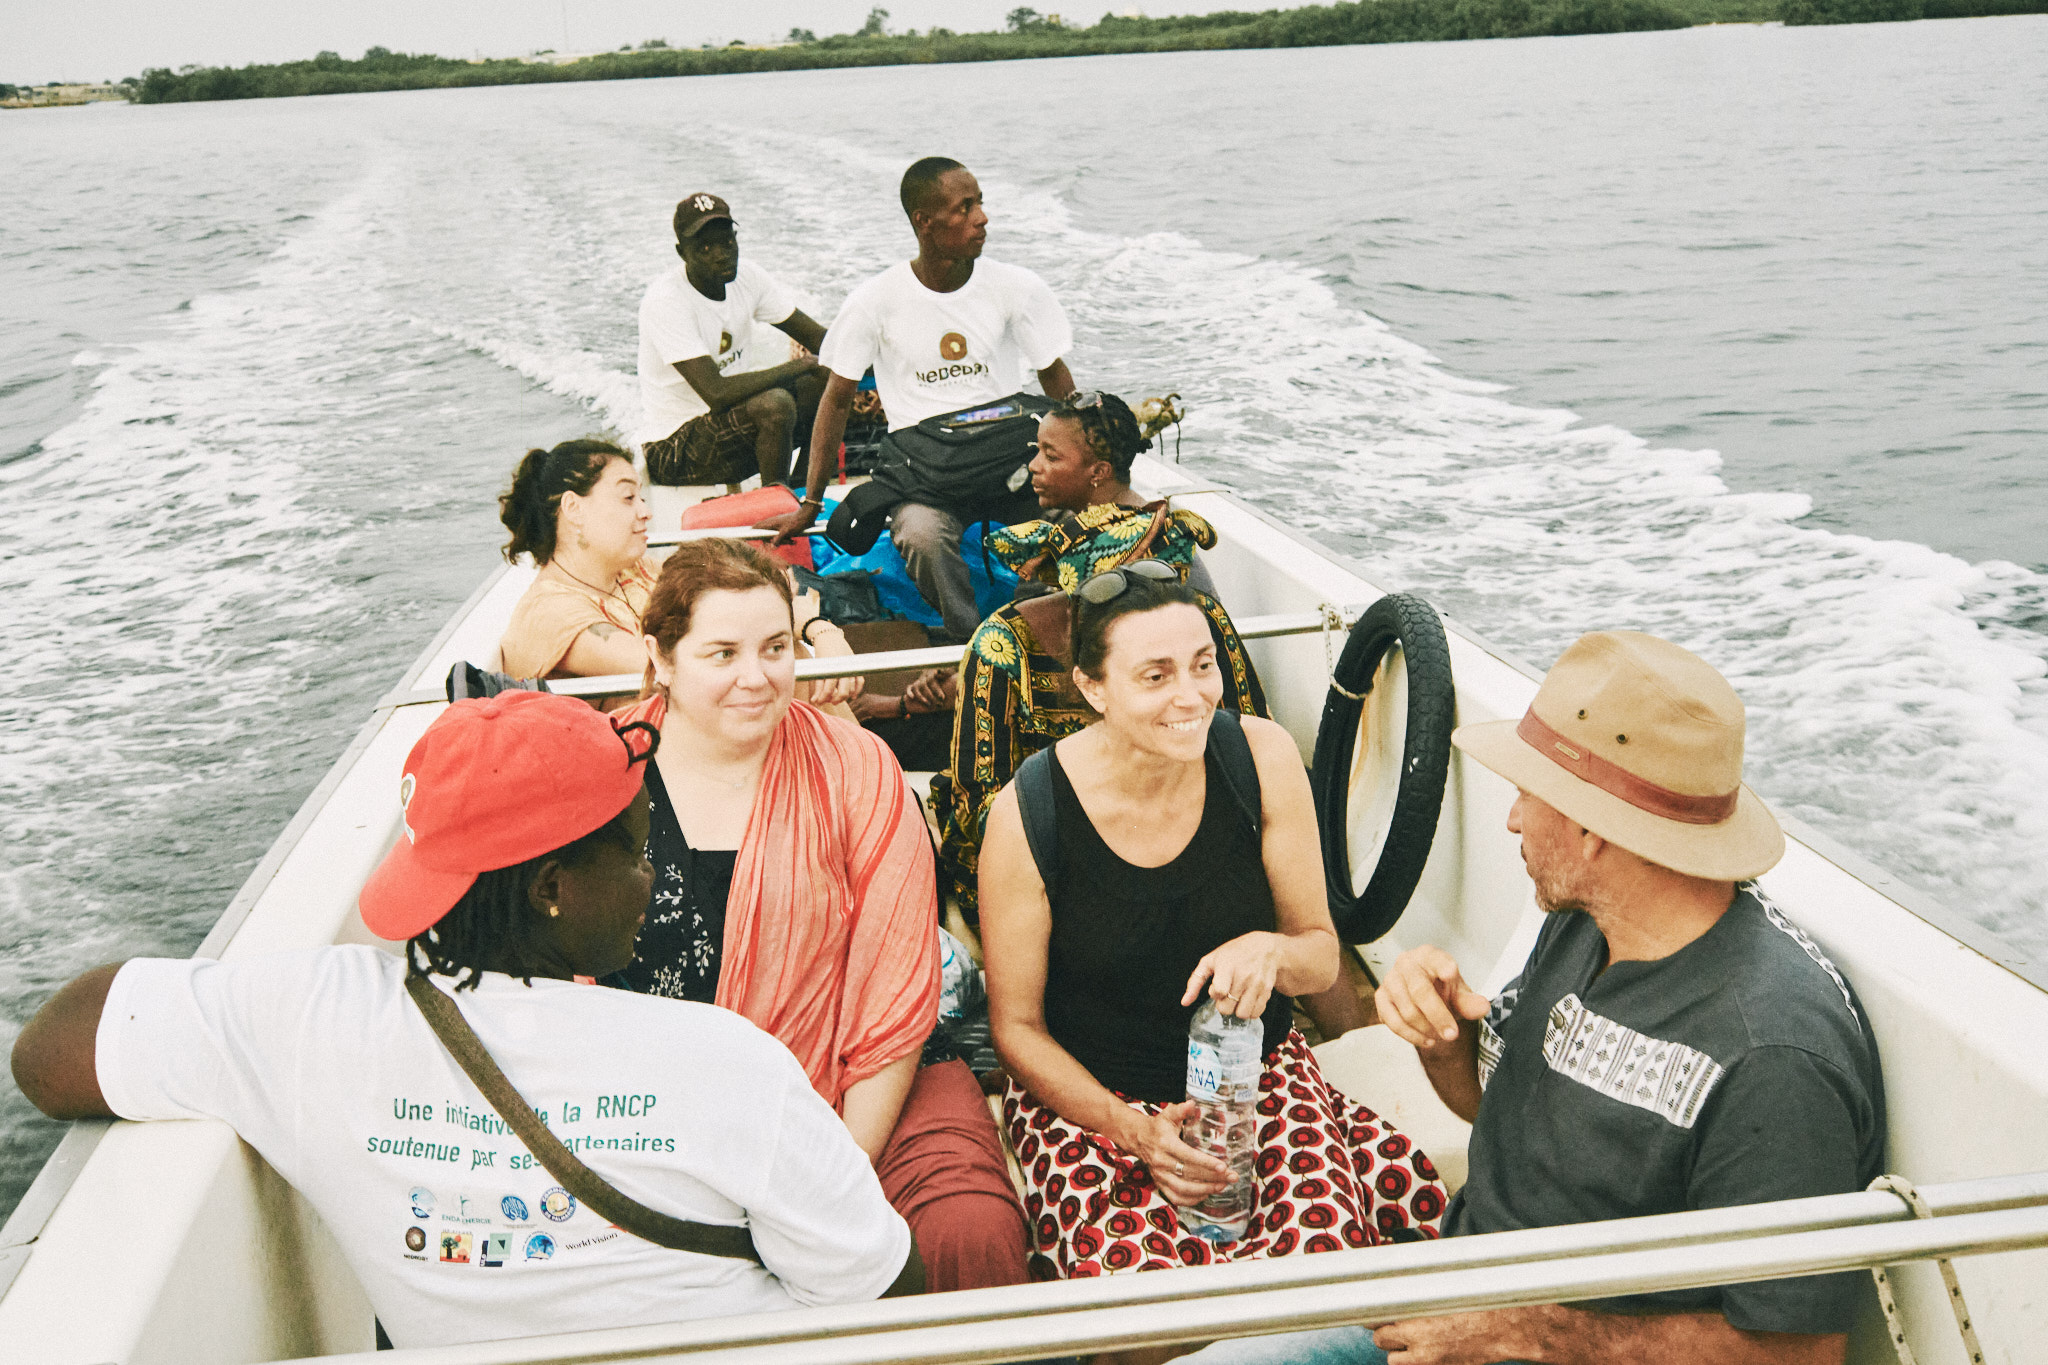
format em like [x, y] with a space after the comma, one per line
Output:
[794, 884]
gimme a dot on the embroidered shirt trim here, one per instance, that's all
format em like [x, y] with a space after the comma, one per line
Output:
[1669, 1079]
[1491, 1047]
[1798, 936]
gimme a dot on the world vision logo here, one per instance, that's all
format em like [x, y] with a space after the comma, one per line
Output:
[953, 348]
[724, 342]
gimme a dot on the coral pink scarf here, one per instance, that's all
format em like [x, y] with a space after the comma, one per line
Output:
[831, 939]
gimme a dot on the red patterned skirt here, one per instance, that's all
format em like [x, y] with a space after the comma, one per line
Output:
[1330, 1174]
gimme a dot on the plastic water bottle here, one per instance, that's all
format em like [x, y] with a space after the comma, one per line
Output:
[1223, 1080]
[961, 992]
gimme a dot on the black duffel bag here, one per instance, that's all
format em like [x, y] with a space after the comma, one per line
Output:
[970, 463]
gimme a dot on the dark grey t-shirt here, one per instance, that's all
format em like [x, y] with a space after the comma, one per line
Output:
[1739, 1069]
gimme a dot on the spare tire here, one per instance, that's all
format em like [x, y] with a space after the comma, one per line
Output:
[1400, 780]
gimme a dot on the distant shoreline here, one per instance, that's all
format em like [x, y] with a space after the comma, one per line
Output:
[1341, 24]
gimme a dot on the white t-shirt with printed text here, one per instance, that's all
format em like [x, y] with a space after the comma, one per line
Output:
[935, 353]
[323, 1064]
[677, 323]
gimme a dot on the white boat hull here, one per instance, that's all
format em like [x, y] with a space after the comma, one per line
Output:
[174, 1242]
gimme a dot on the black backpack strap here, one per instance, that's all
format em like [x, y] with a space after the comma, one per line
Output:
[1240, 770]
[1036, 806]
[1040, 813]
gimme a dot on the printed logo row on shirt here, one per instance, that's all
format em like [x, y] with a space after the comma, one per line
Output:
[557, 1206]
[486, 1248]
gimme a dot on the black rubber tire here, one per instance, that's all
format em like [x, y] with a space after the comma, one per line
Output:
[1405, 619]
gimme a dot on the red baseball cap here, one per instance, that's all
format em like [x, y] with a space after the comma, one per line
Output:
[494, 782]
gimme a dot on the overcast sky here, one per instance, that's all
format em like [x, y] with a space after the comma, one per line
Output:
[48, 40]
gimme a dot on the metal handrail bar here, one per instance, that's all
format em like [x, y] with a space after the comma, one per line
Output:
[722, 533]
[887, 661]
[1536, 1266]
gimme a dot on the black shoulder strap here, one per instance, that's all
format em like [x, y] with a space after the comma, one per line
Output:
[1240, 770]
[677, 1234]
[1040, 813]
[1035, 803]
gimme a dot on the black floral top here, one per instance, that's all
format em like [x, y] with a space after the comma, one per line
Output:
[679, 948]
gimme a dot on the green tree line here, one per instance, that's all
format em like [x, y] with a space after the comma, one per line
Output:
[1032, 35]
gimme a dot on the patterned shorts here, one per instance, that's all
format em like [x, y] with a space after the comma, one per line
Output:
[715, 448]
[1330, 1174]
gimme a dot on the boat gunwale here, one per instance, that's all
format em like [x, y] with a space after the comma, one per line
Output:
[38, 1203]
[46, 1193]
[1923, 905]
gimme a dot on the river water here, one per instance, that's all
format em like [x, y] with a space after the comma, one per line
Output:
[1480, 314]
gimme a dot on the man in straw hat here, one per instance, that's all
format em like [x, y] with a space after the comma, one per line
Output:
[520, 864]
[1673, 1042]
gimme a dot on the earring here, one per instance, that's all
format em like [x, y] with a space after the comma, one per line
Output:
[554, 912]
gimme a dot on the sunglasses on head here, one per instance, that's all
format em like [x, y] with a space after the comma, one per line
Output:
[1109, 585]
[1083, 398]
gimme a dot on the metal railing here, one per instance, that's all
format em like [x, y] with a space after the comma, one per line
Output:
[889, 661]
[1501, 1270]
[720, 533]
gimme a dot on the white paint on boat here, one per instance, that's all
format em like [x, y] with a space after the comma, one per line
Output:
[174, 1242]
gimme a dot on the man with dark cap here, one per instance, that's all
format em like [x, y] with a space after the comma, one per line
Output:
[707, 419]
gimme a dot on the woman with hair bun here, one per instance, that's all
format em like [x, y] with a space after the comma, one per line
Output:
[578, 511]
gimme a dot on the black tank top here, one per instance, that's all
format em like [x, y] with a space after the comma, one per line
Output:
[1125, 939]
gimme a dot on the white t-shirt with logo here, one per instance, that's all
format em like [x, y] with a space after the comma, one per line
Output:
[677, 323]
[324, 1065]
[936, 353]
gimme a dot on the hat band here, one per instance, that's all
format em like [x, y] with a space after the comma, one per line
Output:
[1616, 780]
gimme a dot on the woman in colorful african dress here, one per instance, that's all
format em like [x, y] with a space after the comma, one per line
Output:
[1163, 891]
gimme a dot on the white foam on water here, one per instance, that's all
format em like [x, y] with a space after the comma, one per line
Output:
[179, 567]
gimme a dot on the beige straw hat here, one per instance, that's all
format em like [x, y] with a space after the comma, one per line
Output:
[1640, 742]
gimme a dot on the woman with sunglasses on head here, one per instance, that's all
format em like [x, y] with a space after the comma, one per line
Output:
[1163, 891]
[1083, 462]
[519, 865]
[794, 885]
[1011, 693]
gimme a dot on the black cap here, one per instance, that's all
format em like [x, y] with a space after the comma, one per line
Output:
[698, 209]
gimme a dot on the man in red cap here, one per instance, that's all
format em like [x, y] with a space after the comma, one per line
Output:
[1674, 1041]
[519, 864]
[708, 419]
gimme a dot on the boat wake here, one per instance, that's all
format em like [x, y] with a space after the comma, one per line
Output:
[275, 494]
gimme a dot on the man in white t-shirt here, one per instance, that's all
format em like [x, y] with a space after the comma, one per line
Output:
[943, 332]
[707, 420]
[522, 864]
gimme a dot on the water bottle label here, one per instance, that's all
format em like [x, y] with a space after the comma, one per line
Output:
[1205, 1070]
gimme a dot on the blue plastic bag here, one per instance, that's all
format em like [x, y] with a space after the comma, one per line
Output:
[994, 584]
